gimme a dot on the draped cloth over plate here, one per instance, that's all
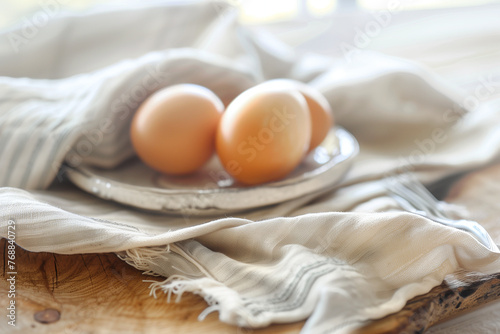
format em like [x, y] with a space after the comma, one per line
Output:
[339, 258]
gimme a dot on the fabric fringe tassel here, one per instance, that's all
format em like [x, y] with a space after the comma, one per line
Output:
[142, 258]
[178, 261]
[185, 280]
[177, 285]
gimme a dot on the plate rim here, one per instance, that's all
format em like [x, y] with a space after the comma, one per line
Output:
[348, 148]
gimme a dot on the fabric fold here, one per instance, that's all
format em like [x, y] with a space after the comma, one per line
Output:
[341, 257]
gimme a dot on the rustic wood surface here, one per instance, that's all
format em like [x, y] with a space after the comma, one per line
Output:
[101, 294]
[461, 291]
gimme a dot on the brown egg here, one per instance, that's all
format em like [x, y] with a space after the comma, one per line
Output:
[321, 112]
[264, 134]
[173, 131]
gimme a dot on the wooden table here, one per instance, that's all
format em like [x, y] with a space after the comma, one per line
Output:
[99, 293]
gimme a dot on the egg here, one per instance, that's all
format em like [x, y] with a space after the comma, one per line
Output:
[321, 112]
[264, 134]
[173, 131]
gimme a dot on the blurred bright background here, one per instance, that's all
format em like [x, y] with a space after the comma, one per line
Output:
[431, 32]
[251, 11]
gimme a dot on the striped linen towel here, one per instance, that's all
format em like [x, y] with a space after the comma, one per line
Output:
[339, 258]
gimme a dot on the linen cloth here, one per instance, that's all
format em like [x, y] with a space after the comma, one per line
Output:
[339, 258]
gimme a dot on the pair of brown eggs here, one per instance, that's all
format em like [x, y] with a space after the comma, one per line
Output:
[262, 135]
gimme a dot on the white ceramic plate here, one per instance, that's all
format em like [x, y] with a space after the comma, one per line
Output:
[211, 190]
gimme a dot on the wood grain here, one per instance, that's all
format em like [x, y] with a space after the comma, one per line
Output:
[462, 291]
[459, 293]
[99, 293]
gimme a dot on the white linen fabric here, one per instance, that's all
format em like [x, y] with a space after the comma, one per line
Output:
[339, 258]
